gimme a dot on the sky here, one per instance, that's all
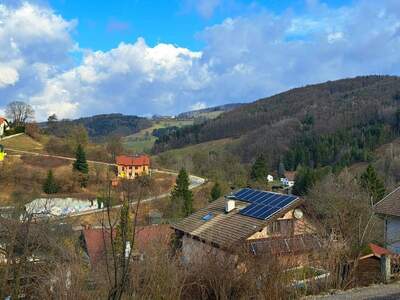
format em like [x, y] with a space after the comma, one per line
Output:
[80, 58]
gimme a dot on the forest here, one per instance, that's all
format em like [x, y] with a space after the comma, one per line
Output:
[272, 125]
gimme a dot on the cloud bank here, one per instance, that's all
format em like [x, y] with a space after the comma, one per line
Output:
[245, 58]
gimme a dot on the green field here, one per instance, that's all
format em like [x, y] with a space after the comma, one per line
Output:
[143, 141]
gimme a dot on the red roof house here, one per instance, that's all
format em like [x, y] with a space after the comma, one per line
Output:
[96, 241]
[130, 167]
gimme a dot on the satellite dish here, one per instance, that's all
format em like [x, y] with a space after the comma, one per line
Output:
[298, 214]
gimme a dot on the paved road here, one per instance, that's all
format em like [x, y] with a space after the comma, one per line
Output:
[375, 292]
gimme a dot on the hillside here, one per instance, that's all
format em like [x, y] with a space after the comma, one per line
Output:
[101, 126]
[337, 110]
[143, 140]
[210, 112]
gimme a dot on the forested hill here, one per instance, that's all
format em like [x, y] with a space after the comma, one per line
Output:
[201, 112]
[101, 126]
[276, 124]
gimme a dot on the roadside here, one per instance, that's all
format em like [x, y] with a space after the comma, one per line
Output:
[389, 291]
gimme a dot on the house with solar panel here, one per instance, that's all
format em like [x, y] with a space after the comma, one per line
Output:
[261, 222]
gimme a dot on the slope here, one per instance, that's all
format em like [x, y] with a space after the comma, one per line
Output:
[273, 124]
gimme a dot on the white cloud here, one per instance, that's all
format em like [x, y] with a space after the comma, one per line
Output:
[244, 58]
[35, 46]
[198, 105]
[8, 76]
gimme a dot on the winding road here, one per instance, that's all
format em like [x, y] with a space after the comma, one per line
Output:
[195, 181]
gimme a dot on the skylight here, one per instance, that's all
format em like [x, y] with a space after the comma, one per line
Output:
[207, 217]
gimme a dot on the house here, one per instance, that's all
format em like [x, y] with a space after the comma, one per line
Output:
[130, 167]
[3, 126]
[250, 219]
[389, 210]
[96, 241]
[289, 178]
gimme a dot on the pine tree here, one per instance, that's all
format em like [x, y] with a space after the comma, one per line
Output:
[304, 180]
[181, 196]
[216, 192]
[50, 186]
[259, 169]
[80, 163]
[81, 166]
[281, 169]
[374, 185]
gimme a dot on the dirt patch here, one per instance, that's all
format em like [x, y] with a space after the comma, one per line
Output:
[44, 162]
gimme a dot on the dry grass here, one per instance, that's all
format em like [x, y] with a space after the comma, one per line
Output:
[23, 142]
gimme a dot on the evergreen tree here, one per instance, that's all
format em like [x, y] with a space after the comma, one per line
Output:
[81, 166]
[259, 169]
[80, 163]
[281, 169]
[305, 179]
[374, 185]
[123, 229]
[50, 186]
[181, 196]
[216, 192]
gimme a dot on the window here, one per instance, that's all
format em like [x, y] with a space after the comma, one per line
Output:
[274, 227]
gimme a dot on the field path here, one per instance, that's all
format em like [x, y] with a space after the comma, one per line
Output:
[195, 181]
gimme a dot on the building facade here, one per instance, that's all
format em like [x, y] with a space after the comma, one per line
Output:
[389, 210]
[131, 167]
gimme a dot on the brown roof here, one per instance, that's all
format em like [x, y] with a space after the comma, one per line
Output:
[281, 246]
[224, 229]
[98, 239]
[2, 120]
[140, 160]
[390, 205]
[290, 175]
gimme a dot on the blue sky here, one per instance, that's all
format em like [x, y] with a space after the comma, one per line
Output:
[104, 24]
[78, 58]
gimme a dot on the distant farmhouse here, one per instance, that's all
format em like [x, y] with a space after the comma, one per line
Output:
[289, 178]
[389, 209]
[3, 126]
[257, 221]
[130, 167]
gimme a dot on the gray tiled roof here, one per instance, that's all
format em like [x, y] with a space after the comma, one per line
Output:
[224, 229]
[390, 205]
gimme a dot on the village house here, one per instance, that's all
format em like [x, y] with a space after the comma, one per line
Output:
[130, 167]
[3, 126]
[96, 241]
[289, 178]
[389, 210]
[258, 221]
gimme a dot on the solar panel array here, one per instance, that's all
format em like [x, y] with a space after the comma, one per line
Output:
[263, 204]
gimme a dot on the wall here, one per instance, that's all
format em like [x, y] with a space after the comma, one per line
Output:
[195, 251]
[140, 170]
[289, 226]
[393, 234]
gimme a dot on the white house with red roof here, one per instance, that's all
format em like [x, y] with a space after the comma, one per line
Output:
[130, 167]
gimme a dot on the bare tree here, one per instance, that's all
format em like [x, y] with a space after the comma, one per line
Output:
[347, 221]
[119, 232]
[19, 112]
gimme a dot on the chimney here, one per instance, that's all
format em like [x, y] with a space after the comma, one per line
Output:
[229, 205]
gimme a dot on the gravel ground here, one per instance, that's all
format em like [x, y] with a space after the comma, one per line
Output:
[374, 292]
